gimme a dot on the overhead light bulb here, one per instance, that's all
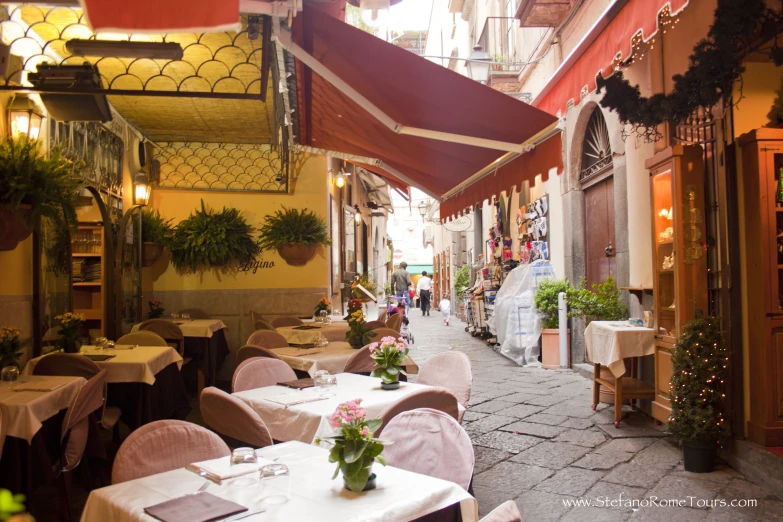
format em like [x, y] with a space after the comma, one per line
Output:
[375, 13]
[339, 180]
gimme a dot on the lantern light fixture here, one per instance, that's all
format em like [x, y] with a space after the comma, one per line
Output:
[478, 64]
[24, 118]
[339, 178]
[141, 190]
[357, 215]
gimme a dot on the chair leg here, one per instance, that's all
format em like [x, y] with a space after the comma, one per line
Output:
[618, 401]
[596, 386]
[64, 487]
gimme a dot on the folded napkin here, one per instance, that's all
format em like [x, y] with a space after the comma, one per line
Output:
[292, 399]
[201, 507]
[218, 470]
[39, 385]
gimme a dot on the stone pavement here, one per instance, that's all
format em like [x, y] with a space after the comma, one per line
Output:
[537, 441]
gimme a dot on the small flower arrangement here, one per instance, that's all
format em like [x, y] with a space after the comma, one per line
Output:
[10, 346]
[70, 324]
[355, 449]
[359, 334]
[389, 356]
[323, 304]
[353, 306]
[156, 309]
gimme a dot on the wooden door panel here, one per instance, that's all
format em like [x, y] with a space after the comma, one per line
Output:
[599, 231]
[777, 345]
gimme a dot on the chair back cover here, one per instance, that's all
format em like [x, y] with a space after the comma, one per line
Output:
[163, 446]
[372, 325]
[383, 315]
[259, 372]
[394, 322]
[380, 333]
[195, 313]
[169, 330]
[360, 362]
[505, 512]
[76, 424]
[249, 351]
[432, 443]
[432, 397]
[233, 418]
[71, 364]
[450, 370]
[286, 320]
[5, 419]
[267, 339]
[145, 338]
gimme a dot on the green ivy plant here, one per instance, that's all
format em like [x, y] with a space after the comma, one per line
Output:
[48, 185]
[155, 229]
[292, 225]
[208, 239]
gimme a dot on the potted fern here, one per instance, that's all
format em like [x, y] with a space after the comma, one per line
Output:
[208, 239]
[155, 236]
[295, 234]
[33, 187]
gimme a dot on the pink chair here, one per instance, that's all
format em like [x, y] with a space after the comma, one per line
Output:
[233, 418]
[195, 313]
[5, 419]
[144, 338]
[433, 397]
[360, 362]
[382, 332]
[286, 320]
[267, 339]
[249, 351]
[394, 322]
[259, 372]
[165, 445]
[382, 316]
[372, 325]
[450, 370]
[505, 512]
[169, 330]
[432, 443]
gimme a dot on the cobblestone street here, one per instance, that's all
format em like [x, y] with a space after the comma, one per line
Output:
[537, 441]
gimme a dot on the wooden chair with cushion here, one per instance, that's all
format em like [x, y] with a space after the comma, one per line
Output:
[145, 338]
[195, 313]
[286, 320]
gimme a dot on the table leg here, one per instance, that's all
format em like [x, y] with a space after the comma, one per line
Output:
[618, 401]
[634, 374]
[596, 385]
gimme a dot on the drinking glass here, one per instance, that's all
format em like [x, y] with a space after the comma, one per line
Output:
[185, 317]
[320, 379]
[108, 347]
[174, 316]
[324, 314]
[330, 387]
[276, 484]
[244, 462]
[9, 375]
[100, 343]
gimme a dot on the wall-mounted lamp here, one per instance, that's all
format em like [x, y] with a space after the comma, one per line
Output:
[141, 190]
[357, 215]
[24, 118]
[339, 178]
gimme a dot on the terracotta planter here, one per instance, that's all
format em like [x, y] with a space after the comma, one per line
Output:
[150, 252]
[297, 254]
[550, 349]
[14, 226]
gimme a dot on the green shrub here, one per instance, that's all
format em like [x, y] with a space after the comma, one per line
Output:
[602, 303]
[461, 280]
[155, 229]
[292, 225]
[546, 301]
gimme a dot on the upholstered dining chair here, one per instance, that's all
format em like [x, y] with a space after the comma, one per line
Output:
[233, 418]
[372, 325]
[195, 313]
[383, 315]
[249, 351]
[144, 338]
[450, 370]
[394, 322]
[431, 397]
[432, 443]
[259, 372]
[360, 362]
[260, 322]
[382, 332]
[169, 330]
[505, 512]
[163, 446]
[5, 419]
[267, 339]
[286, 320]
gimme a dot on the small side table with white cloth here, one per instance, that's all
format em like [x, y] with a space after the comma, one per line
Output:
[331, 358]
[608, 344]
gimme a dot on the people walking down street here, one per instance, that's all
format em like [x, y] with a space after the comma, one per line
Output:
[445, 308]
[401, 281]
[424, 289]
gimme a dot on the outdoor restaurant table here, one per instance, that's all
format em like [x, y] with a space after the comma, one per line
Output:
[308, 421]
[205, 342]
[35, 420]
[297, 335]
[609, 342]
[400, 496]
[144, 382]
[331, 358]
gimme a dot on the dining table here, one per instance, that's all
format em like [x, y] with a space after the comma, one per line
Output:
[331, 358]
[312, 494]
[303, 415]
[306, 334]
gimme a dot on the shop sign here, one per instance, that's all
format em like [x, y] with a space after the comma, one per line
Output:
[461, 224]
[256, 265]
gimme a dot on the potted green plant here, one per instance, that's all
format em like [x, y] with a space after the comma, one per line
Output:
[546, 301]
[602, 303]
[389, 356]
[155, 236]
[358, 334]
[70, 324]
[368, 283]
[208, 239]
[698, 392]
[10, 346]
[156, 309]
[355, 450]
[295, 234]
[31, 187]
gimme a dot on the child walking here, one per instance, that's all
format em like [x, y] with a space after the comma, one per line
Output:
[445, 309]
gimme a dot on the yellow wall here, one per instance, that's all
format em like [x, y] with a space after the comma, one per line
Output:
[310, 191]
[760, 84]
[17, 265]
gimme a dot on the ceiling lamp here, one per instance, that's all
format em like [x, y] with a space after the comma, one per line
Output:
[375, 13]
[125, 49]
[24, 118]
[478, 64]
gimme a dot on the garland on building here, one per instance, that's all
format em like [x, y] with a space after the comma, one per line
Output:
[740, 27]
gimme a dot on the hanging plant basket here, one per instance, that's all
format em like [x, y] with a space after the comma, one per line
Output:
[150, 253]
[297, 254]
[14, 226]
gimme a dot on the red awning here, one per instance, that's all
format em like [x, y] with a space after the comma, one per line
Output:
[160, 16]
[408, 90]
[610, 37]
[524, 168]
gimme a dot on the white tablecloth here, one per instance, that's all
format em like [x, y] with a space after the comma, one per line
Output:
[332, 332]
[195, 327]
[140, 364]
[28, 409]
[609, 342]
[306, 422]
[331, 358]
[400, 495]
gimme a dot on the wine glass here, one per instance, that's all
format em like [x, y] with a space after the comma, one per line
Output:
[324, 314]
[277, 484]
[174, 316]
[9, 375]
[244, 462]
[320, 379]
[185, 317]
